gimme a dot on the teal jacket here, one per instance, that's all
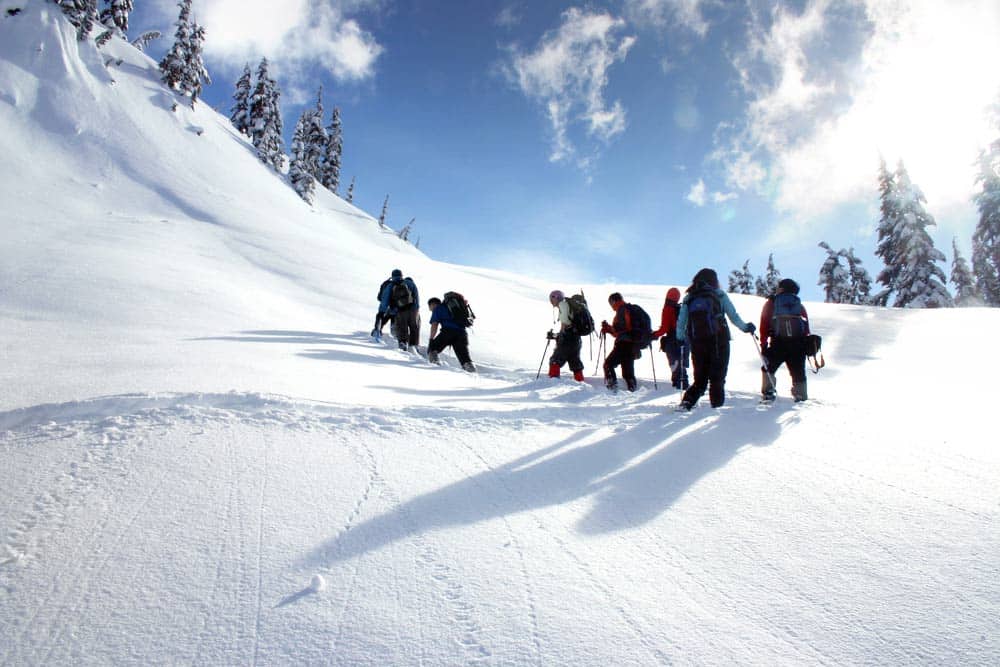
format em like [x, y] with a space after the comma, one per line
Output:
[727, 307]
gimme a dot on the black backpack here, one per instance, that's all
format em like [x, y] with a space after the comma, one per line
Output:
[642, 326]
[458, 308]
[787, 320]
[705, 317]
[579, 315]
[401, 296]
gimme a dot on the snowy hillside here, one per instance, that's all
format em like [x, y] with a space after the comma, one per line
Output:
[208, 461]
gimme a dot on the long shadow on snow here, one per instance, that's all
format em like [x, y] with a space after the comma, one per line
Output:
[633, 475]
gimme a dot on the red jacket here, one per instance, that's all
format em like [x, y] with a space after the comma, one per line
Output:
[668, 319]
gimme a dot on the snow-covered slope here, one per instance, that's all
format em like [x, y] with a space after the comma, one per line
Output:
[207, 461]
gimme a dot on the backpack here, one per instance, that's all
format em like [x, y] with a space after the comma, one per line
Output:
[579, 315]
[642, 327]
[458, 308]
[401, 295]
[787, 319]
[705, 317]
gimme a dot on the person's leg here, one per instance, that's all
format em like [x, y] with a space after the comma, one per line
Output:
[615, 358]
[718, 367]
[628, 366]
[699, 361]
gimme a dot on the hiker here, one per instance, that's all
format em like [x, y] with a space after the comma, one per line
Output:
[453, 332]
[399, 303]
[701, 324]
[568, 341]
[628, 347]
[784, 325]
[677, 355]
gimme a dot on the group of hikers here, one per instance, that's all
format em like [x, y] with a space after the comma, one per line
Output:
[693, 332]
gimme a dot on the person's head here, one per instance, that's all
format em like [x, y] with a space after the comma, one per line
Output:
[433, 302]
[788, 286]
[555, 296]
[615, 299]
[397, 274]
[673, 294]
[705, 276]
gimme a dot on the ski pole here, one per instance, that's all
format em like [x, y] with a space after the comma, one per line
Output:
[653, 365]
[600, 347]
[547, 341]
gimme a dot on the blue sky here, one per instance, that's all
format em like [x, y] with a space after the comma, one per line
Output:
[630, 141]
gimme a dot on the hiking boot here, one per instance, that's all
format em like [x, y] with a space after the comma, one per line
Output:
[685, 406]
[553, 370]
[768, 396]
[468, 366]
[403, 347]
[799, 391]
[632, 385]
[432, 356]
[578, 376]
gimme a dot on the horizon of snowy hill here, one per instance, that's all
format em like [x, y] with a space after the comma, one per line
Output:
[207, 460]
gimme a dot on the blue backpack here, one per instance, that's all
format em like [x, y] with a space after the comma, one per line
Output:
[787, 320]
[705, 317]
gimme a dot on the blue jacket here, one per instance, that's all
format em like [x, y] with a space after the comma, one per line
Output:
[384, 306]
[727, 307]
[441, 315]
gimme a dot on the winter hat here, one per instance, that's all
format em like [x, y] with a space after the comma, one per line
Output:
[788, 285]
[673, 294]
[396, 273]
[557, 295]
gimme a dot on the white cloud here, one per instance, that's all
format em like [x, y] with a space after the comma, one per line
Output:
[294, 36]
[918, 89]
[508, 17]
[567, 74]
[697, 194]
[663, 13]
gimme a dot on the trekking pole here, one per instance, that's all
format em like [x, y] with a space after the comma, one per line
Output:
[599, 348]
[653, 365]
[547, 341]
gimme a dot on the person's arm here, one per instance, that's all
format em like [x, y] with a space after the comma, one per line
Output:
[766, 314]
[565, 322]
[383, 305]
[663, 323]
[734, 317]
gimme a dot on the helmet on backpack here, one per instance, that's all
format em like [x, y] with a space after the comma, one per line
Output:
[788, 285]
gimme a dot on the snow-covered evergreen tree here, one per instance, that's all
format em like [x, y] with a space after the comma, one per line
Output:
[330, 173]
[196, 74]
[174, 66]
[404, 233]
[350, 192]
[741, 281]
[859, 285]
[767, 284]
[961, 278]
[240, 114]
[385, 211]
[265, 119]
[920, 282]
[986, 238]
[315, 138]
[82, 14]
[143, 40]
[832, 277]
[116, 14]
[298, 170]
[888, 241]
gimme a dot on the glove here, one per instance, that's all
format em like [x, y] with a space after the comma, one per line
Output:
[605, 327]
[549, 335]
[750, 328]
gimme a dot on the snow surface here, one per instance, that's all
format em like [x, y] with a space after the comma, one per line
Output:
[207, 461]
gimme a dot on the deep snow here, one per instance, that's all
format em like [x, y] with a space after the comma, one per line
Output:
[207, 460]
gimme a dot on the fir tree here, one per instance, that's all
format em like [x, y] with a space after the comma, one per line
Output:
[315, 138]
[385, 210]
[920, 282]
[298, 170]
[265, 119]
[832, 276]
[350, 191]
[961, 278]
[741, 281]
[768, 284]
[240, 115]
[404, 233]
[330, 173]
[82, 14]
[195, 73]
[986, 238]
[143, 40]
[116, 14]
[888, 240]
[174, 65]
[859, 282]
